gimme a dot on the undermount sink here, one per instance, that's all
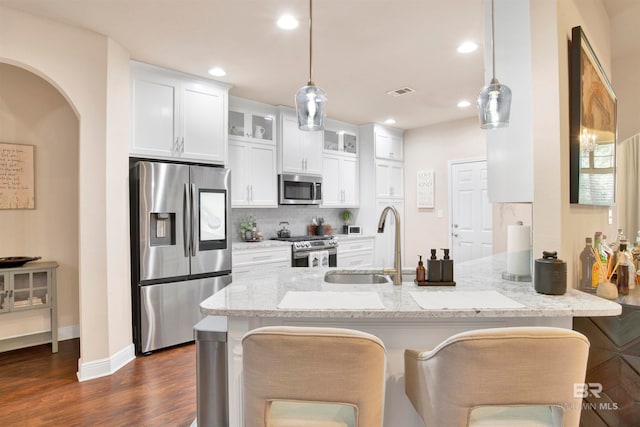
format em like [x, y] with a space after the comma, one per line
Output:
[354, 277]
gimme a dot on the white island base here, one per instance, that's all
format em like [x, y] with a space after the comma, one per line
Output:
[396, 334]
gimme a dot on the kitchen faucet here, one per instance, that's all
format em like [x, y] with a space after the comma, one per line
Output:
[397, 271]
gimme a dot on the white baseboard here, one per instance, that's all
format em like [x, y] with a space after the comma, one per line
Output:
[68, 332]
[104, 367]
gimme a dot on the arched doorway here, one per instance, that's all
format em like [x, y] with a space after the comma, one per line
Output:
[34, 112]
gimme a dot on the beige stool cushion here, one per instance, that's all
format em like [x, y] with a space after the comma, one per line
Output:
[308, 366]
[498, 367]
[511, 416]
[311, 414]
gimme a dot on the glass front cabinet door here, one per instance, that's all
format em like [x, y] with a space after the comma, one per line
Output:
[30, 289]
[4, 292]
[251, 126]
[340, 142]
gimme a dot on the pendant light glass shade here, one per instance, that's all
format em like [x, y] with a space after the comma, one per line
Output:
[311, 101]
[494, 103]
[311, 105]
[494, 100]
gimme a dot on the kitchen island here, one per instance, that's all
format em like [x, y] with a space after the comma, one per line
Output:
[393, 313]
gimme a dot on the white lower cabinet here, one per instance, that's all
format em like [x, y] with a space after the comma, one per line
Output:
[356, 253]
[255, 260]
[340, 181]
[254, 178]
[385, 242]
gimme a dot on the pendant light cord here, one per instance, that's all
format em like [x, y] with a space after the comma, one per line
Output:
[310, 42]
[493, 45]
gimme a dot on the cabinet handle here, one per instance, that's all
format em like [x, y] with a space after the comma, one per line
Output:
[251, 187]
[182, 146]
[391, 190]
[175, 144]
[248, 193]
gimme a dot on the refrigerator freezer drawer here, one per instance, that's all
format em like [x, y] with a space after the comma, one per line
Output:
[169, 311]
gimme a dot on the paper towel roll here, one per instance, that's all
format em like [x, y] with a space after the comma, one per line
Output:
[519, 250]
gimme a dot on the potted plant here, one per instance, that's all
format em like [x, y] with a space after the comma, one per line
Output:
[346, 216]
[247, 228]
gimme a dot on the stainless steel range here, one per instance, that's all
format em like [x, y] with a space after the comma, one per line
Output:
[312, 251]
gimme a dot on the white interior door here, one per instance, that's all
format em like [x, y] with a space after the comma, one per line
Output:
[470, 213]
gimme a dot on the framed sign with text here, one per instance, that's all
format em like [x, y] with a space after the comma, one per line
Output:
[16, 176]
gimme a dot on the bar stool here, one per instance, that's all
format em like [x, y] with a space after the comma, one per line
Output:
[500, 377]
[320, 377]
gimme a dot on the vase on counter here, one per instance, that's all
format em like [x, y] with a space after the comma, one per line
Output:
[248, 235]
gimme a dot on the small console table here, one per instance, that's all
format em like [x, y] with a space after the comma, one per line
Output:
[30, 287]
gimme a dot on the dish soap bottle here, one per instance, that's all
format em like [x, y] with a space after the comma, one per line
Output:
[421, 272]
[435, 270]
[447, 267]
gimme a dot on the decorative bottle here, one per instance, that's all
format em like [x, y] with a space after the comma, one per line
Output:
[421, 272]
[588, 274]
[601, 256]
[623, 270]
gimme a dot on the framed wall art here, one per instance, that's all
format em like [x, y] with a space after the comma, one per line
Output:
[593, 126]
[425, 187]
[16, 176]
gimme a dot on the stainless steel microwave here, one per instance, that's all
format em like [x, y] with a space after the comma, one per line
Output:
[300, 189]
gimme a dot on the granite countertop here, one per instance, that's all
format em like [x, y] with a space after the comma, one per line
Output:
[259, 295]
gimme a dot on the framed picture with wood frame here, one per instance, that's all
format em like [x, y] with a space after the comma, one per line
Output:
[593, 126]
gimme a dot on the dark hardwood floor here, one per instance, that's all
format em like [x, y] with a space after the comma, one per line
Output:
[38, 388]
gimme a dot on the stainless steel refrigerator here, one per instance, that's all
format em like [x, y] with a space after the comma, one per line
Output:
[180, 247]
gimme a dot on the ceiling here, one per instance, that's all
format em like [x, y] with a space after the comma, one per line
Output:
[361, 48]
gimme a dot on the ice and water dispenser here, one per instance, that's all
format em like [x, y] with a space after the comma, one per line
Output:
[162, 228]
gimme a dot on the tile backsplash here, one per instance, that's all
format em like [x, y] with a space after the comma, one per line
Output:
[298, 217]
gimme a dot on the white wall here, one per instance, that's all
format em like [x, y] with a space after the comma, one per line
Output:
[34, 112]
[77, 63]
[431, 148]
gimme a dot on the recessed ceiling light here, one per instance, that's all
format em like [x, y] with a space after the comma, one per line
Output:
[217, 72]
[463, 104]
[467, 47]
[287, 22]
[390, 121]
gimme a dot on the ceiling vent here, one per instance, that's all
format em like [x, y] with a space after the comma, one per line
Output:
[401, 91]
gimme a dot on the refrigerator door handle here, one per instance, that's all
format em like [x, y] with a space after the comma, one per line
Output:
[193, 219]
[185, 218]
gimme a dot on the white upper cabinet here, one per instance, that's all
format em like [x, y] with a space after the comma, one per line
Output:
[389, 179]
[340, 142]
[254, 176]
[300, 151]
[177, 116]
[388, 146]
[340, 181]
[252, 121]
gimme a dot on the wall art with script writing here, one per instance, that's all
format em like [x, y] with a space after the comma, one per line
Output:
[16, 176]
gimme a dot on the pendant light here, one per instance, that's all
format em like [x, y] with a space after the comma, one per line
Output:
[494, 100]
[311, 101]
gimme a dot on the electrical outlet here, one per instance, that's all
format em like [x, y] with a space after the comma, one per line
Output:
[439, 213]
[610, 216]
